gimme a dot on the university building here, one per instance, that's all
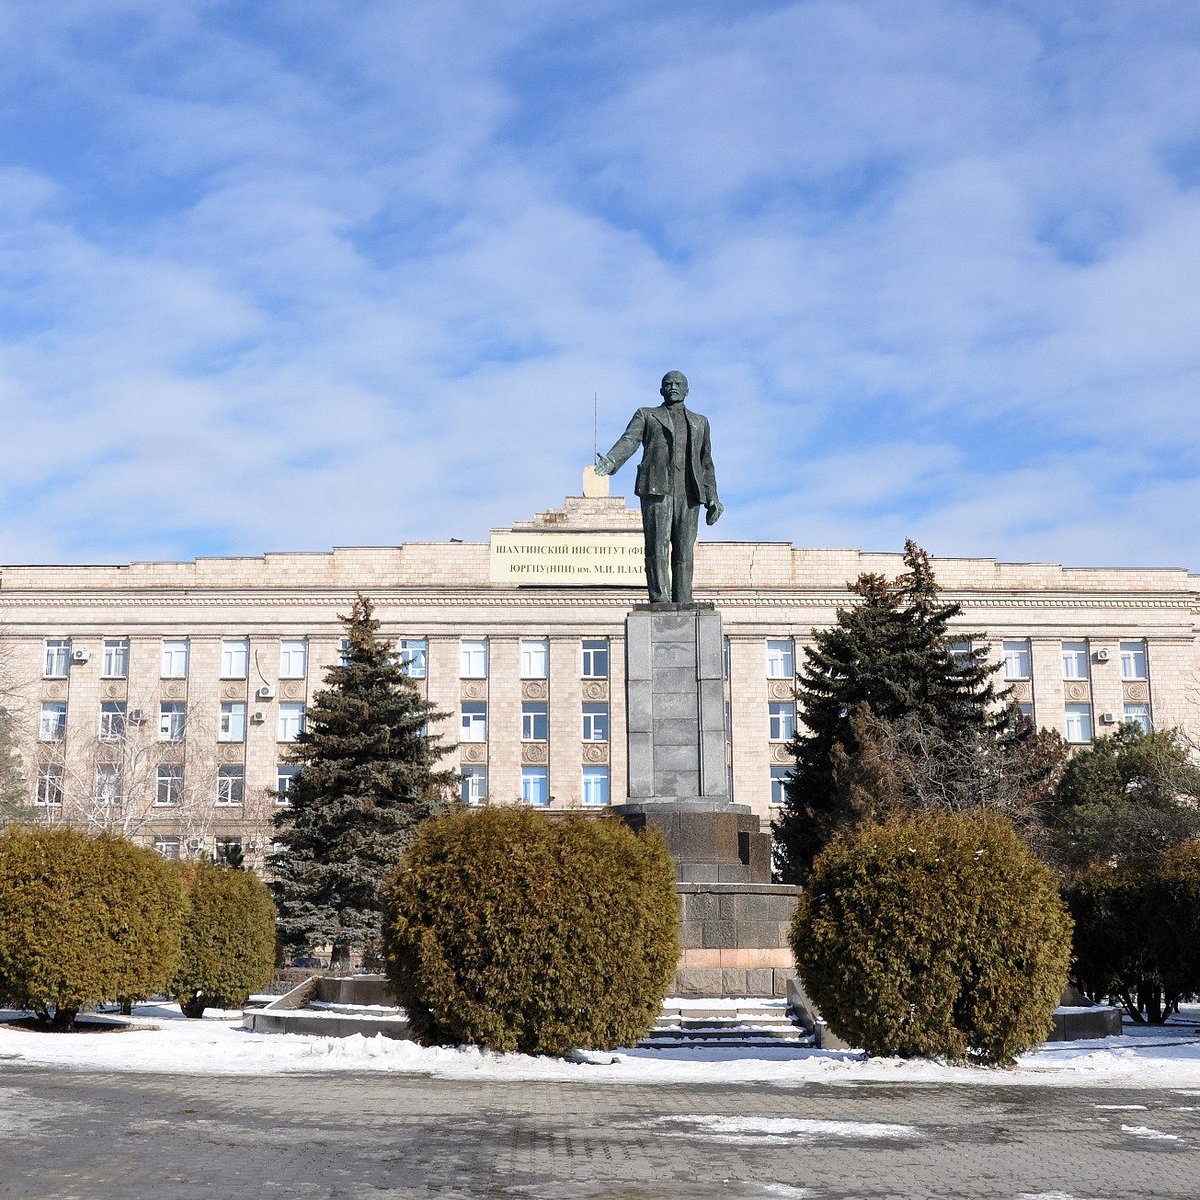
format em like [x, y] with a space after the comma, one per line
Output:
[159, 699]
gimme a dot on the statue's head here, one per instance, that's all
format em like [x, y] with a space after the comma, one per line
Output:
[674, 387]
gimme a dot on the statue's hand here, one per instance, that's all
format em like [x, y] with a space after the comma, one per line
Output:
[604, 465]
[712, 512]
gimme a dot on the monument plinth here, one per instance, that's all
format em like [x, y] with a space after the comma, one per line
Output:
[678, 779]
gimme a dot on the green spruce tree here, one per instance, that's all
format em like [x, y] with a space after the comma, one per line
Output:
[892, 656]
[367, 780]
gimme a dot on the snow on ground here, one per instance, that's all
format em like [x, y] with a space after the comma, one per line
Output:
[1167, 1057]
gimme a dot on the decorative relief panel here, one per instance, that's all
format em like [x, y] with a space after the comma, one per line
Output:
[1022, 691]
[595, 689]
[174, 691]
[474, 689]
[1076, 691]
[535, 689]
[1137, 692]
[595, 752]
[171, 752]
[57, 690]
[233, 691]
[230, 752]
[535, 752]
[115, 690]
[782, 689]
[780, 754]
[473, 752]
[292, 691]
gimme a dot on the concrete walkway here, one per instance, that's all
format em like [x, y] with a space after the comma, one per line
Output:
[70, 1135]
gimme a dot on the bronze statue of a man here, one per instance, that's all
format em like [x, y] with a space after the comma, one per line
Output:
[674, 478]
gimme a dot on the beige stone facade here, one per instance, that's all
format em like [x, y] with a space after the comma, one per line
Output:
[1086, 648]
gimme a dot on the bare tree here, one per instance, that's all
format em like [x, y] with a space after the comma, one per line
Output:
[146, 772]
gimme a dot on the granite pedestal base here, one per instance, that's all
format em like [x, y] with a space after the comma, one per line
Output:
[715, 843]
[735, 939]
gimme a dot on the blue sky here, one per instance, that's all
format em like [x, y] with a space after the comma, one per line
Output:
[288, 276]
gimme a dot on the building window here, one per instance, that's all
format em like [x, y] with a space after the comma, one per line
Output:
[595, 786]
[535, 785]
[169, 784]
[961, 652]
[231, 783]
[235, 658]
[535, 722]
[595, 658]
[172, 720]
[782, 720]
[1079, 723]
[293, 658]
[1133, 660]
[474, 722]
[49, 793]
[779, 781]
[414, 657]
[291, 721]
[227, 850]
[53, 727]
[473, 658]
[167, 847]
[1075, 660]
[110, 784]
[1025, 708]
[58, 658]
[1139, 715]
[726, 658]
[473, 785]
[1017, 661]
[595, 722]
[285, 773]
[112, 720]
[535, 658]
[233, 722]
[175, 658]
[781, 658]
[344, 652]
[116, 658]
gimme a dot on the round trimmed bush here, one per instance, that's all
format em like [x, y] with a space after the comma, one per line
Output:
[508, 930]
[228, 945]
[934, 935]
[83, 920]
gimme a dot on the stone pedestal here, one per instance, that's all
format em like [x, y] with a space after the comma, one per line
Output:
[675, 702]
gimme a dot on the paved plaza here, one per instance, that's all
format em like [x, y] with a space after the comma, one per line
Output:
[67, 1135]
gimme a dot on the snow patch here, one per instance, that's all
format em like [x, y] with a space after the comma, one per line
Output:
[1150, 1135]
[780, 1131]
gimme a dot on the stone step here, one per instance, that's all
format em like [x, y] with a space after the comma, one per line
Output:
[747, 1023]
[688, 1023]
[739, 1033]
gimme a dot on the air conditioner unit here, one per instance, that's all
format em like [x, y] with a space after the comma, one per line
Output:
[1108, 718]
[266, 692]
[257, 718]
[80, 655]
[1103, 655]
[137, 716]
